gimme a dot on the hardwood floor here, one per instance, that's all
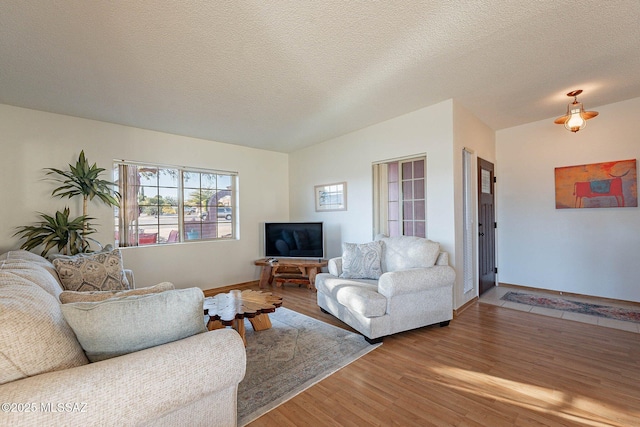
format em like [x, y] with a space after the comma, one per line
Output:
[491, 367]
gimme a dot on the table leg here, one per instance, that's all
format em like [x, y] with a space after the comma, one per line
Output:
[214, 324]
[238, 325]
[312, 272]
[274, 270]
[265, 276]
[260, 322]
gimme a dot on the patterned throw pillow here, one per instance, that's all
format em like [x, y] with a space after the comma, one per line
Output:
[361, 261]
[101, 271]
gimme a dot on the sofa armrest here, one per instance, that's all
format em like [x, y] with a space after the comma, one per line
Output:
[415, 280]
[130, 278]
[335, 266]
[134, 388]
[443, 258]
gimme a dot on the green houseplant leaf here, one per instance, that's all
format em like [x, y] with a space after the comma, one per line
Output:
[84, 180]
[68, 236]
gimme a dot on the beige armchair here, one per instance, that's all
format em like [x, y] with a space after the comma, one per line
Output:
[414, 287]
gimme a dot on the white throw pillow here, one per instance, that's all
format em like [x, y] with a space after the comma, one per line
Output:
[361, 261]
[405, 252]
[101, 271]
[119, 326]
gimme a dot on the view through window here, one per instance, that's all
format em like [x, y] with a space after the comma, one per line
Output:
[162, 205]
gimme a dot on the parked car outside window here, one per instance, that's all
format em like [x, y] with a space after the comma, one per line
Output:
[224, 212]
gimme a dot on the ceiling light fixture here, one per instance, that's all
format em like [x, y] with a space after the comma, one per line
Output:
[576, 118]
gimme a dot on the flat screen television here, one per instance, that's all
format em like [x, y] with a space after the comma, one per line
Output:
[294, 240]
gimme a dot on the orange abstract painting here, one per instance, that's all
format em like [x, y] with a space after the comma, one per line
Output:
[598, 185]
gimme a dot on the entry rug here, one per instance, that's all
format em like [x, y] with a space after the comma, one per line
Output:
[294, 354]
[627, 315]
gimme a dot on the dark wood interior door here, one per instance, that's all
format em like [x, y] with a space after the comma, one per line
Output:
[486, 226]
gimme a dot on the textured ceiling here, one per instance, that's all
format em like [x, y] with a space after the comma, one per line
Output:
[282, 75]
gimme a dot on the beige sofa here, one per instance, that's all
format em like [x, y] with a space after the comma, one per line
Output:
[45, 378]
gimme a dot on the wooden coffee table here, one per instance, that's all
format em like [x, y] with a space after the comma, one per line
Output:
[230, 309]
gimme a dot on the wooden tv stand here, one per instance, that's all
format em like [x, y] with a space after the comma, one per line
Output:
[292, 270]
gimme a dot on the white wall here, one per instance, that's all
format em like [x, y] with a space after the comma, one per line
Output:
[468, 132]
[584, 251]
[33, 140]
[350, 157]
[439, 131]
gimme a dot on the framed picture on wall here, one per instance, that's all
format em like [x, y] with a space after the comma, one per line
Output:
[597, 185]
[331, 197]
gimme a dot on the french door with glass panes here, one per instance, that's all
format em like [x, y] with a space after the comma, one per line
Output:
[406, 197]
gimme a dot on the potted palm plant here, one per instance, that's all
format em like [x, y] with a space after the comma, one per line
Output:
[70, 236]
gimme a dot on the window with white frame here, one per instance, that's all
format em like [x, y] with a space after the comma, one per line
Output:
[400, 197]
[168, 204]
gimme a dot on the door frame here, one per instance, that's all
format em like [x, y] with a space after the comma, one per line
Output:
[487, 229]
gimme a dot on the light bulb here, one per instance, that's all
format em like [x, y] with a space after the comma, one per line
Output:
[575, 122]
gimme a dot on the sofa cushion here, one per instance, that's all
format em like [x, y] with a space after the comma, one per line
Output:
[102, 271]
[34, 336]
[95, 296]
[359, 295]
[365, 301]
[405, 252]
[329, 284]
[34, 268]
[117, 326]
[361, 261]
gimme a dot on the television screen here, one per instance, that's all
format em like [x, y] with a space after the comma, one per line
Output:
[294, 240]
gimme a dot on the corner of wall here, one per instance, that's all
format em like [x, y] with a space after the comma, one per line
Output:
[471, 133]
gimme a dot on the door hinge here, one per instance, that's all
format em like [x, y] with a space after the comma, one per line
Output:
[495, 270]
[495, 179]
[495, 225]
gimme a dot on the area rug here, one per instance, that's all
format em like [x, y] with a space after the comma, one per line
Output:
[627, 315]
[295, 353]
